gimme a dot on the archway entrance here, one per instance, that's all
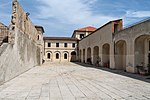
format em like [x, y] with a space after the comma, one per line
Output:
[120, 57]
[89, 59]
[73, 56]
[83, 55]
[142, 51]
[80, 55]
[106, 55]
[95, 54]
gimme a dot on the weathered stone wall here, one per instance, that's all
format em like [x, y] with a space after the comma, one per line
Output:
[3, 32]
[22, 51]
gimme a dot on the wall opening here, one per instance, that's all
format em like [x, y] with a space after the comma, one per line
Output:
[89, 58]
[142, 51]
[96, 55]
[106, 55]
[120, 55]
[73, 56]
[57, 55]
[65, 56]
[48, 55]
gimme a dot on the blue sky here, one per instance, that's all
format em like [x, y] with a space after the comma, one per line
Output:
[61, 17]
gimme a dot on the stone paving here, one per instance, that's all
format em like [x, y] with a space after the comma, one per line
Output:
[73, 82]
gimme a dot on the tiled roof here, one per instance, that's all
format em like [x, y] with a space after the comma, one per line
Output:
[61, 38]
[89, 28]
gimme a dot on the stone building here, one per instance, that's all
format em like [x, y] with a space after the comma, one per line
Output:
[117, 48]
[24, 47]
[60, 49]
[3, 33]
[83, 32]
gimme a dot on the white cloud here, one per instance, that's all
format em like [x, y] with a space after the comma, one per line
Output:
[78, 12]
[138, 14]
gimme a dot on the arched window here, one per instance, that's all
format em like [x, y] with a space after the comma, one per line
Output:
[48, 55]
[65, 56]
[38, 38]
[57, 55]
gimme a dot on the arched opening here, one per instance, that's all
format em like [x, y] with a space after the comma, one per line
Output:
[65, 56]
[57, 55]
[142, 51]
[80, 53]
[89, 59]
[48, 55]
[120, 55]
[38, 38]
[96, 57]
[83, 55]
[106, 55]
[73, 56]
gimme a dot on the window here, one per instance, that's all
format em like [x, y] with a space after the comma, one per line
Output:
[81, 36]
[49, 56]
[65, 45]
[65, 56]
[38, 38]
[73, 45]
[57, 44]
[49, 44]
[57, 55]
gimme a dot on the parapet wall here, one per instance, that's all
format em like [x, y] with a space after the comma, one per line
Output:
[22, 51]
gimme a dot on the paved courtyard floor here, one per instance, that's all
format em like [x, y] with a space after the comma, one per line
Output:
[73, 82]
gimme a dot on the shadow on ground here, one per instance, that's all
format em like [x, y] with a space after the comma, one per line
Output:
[119, 72]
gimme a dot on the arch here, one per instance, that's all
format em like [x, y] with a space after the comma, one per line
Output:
[48, 55]
[142, 50]
[73, 53]
[120, 54]
[65, 56]
[73, 56]
[80, 53]
[106, 55]
[57, 57]
[95, 55]
[89, 58]
[83, 55]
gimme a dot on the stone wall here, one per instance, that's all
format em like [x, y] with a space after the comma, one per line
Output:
[22, 51]
[3, 32]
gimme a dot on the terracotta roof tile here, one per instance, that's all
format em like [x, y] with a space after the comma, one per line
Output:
[88, 28]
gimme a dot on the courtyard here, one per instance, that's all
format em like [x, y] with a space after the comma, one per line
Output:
[70, 81]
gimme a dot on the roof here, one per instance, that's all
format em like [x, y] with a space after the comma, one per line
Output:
[61, 38]
[85, 29]
[101, 27]
[40, 27]
[88, 28]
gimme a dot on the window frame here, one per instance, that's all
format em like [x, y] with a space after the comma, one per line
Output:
[65, 56]
[73, 45]
[57, 56]
[49, 44]
[57, 45]
[48, 55]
